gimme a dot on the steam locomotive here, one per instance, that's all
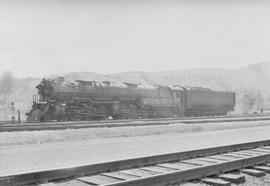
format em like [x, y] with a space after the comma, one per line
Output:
[61, 100]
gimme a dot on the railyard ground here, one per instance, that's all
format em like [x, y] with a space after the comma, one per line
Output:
[250, 181]
[35, 150]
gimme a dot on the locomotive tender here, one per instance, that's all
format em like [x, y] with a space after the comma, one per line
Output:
[88, 100]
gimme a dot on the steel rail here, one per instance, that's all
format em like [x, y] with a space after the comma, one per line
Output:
[83, 170]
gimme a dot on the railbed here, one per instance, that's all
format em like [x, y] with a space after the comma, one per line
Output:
[155, 170]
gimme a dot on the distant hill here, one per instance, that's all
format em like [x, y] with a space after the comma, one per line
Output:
[254, 76]
[251, 84]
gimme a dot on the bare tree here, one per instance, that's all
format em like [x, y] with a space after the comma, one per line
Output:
[7, 85]
[248, 102]
[259, 101]
[7, 81]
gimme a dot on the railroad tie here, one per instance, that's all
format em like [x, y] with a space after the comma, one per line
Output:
[263, 168]
[234, 178]
[120, 175]
[253, 172]
[216, 182]
[158, 169]
[98, 179]
[139, 172]
[48, 184]
[191, 184]
[68, 183]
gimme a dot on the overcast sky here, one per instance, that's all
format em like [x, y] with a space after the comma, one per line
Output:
[39, 37]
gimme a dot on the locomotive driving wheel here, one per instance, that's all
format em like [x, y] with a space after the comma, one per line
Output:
[102, 111]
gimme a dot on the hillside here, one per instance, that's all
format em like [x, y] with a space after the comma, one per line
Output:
[251, 84]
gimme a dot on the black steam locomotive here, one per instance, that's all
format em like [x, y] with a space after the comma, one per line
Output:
[89, 100]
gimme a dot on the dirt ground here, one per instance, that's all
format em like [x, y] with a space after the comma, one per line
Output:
[36, 150]
[71, 135]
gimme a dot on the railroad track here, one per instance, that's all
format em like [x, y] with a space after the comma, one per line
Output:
[5, 122]
[8, 122]
[123, 123]
[248, 158]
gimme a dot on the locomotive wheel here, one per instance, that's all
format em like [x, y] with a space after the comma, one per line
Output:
[116, 116]
[102, 109]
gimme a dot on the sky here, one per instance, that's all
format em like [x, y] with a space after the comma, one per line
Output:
[43, 37]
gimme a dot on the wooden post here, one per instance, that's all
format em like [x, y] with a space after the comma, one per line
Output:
[19, 116]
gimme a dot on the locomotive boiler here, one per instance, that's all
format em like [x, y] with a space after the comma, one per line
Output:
[89, 100]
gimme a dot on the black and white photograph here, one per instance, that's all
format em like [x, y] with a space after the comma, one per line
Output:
[134, 93]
